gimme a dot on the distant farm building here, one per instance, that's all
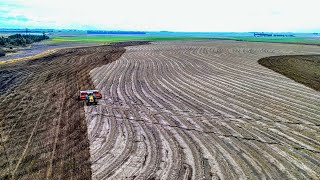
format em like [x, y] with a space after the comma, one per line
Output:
[272, 35]
[262, 35]
[115, 32]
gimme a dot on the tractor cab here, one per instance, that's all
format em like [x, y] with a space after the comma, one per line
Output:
[83, 94]
[90, 96]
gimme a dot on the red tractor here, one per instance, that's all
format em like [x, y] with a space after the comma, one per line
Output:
[90, 96]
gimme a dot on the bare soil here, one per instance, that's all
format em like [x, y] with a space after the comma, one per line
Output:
[203, 110]
[304, 69]
[42, 125]
[171, 110]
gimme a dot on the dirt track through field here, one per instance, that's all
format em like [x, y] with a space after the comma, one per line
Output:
[42, 125]
[203, 110]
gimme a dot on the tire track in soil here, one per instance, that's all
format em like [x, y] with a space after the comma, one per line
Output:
[203, 110]
[42, 125]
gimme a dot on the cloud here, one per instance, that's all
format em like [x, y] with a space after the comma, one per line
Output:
[176, 15]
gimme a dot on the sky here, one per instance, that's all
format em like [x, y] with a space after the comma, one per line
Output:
[171, 15]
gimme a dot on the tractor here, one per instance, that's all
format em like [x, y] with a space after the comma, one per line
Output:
[90, 96]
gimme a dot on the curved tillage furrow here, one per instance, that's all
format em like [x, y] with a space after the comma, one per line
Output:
[313, 110]
[122, 145]
[114, 146]
[275, 82]
[279, 85]
[203, 109]
[147, 153]
[200, 103]
[183, 138]
[103, 133]
[136, 90]
[172, 164]
[43, 133]
[107, 165]
[238, 97]
[191, 77]
[294, 114]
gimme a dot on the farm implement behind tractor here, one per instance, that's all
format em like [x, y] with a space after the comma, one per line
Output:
[90, 96]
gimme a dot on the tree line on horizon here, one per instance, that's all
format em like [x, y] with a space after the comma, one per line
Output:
[18, 40]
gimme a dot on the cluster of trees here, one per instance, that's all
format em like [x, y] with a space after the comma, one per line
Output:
[2, 53]
[19, 40]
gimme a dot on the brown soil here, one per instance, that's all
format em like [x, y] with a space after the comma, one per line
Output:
[304, 69]
[42, 125]
[171, 110]
[203, 110]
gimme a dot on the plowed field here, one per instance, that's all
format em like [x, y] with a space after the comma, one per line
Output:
[43, 129]
[171, 110]
[194, 110]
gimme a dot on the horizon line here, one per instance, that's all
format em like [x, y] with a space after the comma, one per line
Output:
[161, 31]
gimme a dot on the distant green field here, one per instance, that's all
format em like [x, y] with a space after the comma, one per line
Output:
[99, 39]
[110, 39]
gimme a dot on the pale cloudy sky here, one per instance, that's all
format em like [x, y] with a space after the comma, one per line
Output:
[173, 15]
